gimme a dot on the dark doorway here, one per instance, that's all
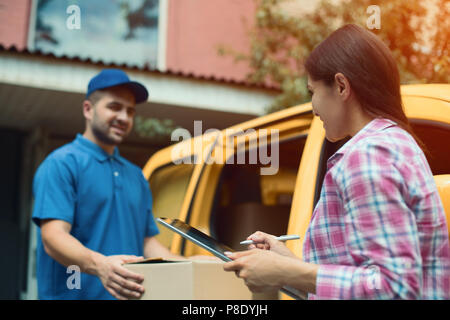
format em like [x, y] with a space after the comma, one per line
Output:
[13, 241]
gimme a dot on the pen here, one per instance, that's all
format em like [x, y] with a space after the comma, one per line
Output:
[280, 238]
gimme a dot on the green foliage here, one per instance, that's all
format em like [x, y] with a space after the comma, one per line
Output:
[154, 128]
[280, 41]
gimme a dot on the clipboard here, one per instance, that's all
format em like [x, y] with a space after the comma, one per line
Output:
[212, 245]
[196, 236]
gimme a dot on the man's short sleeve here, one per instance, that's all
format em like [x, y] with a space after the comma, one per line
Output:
[54, 190]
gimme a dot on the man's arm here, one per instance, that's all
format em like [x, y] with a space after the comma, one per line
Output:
[154, 249]
[67, 250]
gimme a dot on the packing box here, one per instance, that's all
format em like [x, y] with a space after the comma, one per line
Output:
[189, 280]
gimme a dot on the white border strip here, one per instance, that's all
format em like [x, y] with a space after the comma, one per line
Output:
[32, 25]
[62, 75]
[162, 34]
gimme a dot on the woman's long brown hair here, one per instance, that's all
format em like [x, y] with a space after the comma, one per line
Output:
[370, 68]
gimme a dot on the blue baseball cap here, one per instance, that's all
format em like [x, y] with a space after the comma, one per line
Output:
[116, 77]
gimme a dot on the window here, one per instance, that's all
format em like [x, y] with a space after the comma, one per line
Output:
[246, 201]
[119, 32]
[436, 137]
[328, 149]
[168, 185]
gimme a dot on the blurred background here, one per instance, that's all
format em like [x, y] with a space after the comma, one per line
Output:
[218, 61]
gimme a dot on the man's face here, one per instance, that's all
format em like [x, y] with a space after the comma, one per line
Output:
[111, 117]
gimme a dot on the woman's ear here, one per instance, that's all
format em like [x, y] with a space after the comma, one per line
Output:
[343, 85]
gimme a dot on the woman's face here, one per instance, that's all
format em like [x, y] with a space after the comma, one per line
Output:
[327, 103]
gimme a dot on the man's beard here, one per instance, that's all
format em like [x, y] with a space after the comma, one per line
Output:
[101, 133]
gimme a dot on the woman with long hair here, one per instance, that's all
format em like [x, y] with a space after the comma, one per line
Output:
[379, 229]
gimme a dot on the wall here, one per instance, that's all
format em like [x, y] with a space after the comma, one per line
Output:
[196, 28]
[14, 17]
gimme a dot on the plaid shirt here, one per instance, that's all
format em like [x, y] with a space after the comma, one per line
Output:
[379, 229]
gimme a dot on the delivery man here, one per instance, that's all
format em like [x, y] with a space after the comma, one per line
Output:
[93, 207]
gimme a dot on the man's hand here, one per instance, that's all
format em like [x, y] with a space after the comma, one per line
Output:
[120, 282]
[67, 250]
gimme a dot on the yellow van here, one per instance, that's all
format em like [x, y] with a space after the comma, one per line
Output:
[229, 184]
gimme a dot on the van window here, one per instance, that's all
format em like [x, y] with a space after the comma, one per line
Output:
[328, 149]
[169, 185]
[436, 137]
[246, 201]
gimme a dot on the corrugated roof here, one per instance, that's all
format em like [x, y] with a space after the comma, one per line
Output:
[147, 68]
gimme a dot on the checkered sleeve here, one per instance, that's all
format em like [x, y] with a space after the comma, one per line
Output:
[382, 235]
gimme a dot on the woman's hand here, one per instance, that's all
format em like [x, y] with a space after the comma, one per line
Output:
[265, 270]
[266, 241]
[261, 270]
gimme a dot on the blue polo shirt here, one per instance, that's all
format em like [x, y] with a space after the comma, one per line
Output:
[107, 201]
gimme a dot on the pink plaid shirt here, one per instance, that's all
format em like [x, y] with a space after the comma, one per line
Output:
[379, 229]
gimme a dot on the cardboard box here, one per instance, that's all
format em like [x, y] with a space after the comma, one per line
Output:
[189, 280]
